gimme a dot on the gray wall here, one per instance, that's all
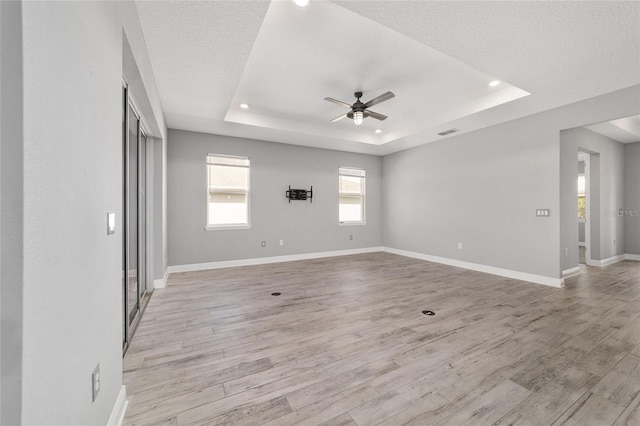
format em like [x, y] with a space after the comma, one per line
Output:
[11, 211]
[305, 227]
[606, 190]
[632, 198]
[482, 189]
[72, 293]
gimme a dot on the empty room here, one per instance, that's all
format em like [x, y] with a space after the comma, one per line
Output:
[314, 212]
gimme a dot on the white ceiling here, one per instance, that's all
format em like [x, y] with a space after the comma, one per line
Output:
[437, 57]
[625, 130]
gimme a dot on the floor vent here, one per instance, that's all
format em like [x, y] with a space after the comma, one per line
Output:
[428, 313]
[448, 132]
[277, 293]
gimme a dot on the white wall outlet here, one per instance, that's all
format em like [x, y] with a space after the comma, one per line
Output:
[614, 242]
[95, 383]
[264, 244]
[351, 237]
[281, 242]
[566, 251]
[459, 246]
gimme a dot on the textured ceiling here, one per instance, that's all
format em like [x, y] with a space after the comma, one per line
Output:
[283, 60]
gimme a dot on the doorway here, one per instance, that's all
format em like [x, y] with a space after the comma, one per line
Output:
[135, 264]
[584, 203]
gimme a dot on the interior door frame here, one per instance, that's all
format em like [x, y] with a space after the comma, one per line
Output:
[586, 157]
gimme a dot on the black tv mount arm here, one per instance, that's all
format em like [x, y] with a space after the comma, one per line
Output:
[299, 194]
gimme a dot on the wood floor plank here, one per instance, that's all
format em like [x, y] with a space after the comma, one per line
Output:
[631, 414]
[590, 410]
[491, 406]
[621, 384]
[346, 344]
[430, 410]
[550, 402]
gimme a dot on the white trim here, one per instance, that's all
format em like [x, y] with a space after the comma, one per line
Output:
[571, 272]
[161, 282]
[608, 261]
[226, 227]
[265, 260]
[120, 407]
[523, 276]
[586, 157]
[635, 257]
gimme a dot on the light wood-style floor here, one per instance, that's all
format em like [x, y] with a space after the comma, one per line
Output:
[346, 344]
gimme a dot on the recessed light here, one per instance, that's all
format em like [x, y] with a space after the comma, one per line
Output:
[244, 106]
[301, 3]
[378, 130]
[494, 83]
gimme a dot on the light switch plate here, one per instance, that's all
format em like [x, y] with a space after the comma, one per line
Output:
[543, 212]
[111, 223]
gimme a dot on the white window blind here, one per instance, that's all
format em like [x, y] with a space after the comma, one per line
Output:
[227, 190]
[351, 195]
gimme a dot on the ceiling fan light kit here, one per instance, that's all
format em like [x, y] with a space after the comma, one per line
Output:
[358, 117]
[359, 110]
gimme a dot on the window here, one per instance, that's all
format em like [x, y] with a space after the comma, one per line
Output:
[581, 197]
[227, 191]
[351, 195]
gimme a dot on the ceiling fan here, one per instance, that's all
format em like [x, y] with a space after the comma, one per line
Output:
[359, 111]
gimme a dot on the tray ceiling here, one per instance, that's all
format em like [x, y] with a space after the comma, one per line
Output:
[437, 57]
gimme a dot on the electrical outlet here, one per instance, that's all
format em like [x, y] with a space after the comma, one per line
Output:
[459, 246]
[95, 383]
[566, 251]
[281, 242]
[614, 242]
[264, 244]
[351, 237]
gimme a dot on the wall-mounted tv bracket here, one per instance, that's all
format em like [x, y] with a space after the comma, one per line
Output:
[299, 194]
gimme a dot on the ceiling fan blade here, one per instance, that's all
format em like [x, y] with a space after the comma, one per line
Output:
[337, 102]
[385, 96]
[339, 118]
[376, 115]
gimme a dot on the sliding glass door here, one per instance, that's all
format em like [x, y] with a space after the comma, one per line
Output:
[135, 213]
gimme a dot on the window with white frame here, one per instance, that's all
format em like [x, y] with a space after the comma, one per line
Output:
[351, 193]
[227, 191]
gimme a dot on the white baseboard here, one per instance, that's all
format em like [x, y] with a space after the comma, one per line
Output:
[161, 282]
[523, 276]
[609, 261]
[120, 407]
[266, 260]
[635, 257]
[571, 272]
